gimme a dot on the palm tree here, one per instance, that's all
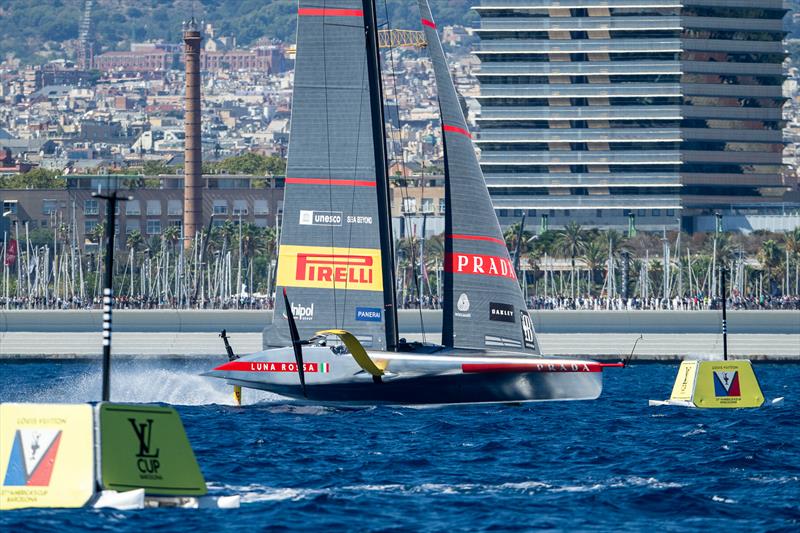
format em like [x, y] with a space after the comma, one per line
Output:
[545, 243]
[98, 232]
[134, 240]
[518, 244]
[251, 236]
[269, 242]
[434, 258]
[572, 240]
[407, 251]
[512, 234]
[791, 244]
[222, 236]
[594, 255]
[726, 250]
[171, 235]
[434, 248]
[770, 258]
[615, 242]
[656, 281]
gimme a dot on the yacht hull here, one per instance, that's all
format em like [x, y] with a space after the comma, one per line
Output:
[445, 377]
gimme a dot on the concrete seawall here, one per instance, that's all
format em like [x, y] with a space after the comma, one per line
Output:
[666, 335]
[546, 322]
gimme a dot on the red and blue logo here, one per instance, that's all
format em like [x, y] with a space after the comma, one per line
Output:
[33, 456]
[726, 384]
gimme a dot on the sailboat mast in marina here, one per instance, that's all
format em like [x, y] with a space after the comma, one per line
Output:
[334, 336]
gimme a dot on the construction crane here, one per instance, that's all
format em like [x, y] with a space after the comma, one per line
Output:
[85, 59]
[387, 39]
[401, 39]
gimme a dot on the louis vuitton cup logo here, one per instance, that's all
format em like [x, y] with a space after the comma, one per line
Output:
[147, 459]
[726, 384]
[32, 458]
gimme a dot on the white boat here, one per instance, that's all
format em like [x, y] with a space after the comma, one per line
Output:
[336, 259]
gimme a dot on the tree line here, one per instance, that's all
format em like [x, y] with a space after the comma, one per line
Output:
[249, 163]
[34, 31]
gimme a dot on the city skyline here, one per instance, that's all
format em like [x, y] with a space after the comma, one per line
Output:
[129, 116]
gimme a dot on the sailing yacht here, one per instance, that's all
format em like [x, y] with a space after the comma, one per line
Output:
[334, 336]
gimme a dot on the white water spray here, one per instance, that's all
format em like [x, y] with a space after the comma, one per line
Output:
[138, 382]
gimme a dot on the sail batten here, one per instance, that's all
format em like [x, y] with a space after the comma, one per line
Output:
[331, 182]
[483, 306]
[477, 238]
[456, 129]
[329, 12]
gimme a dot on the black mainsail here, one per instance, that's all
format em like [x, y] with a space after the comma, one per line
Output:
[483, 304]
[331, 255]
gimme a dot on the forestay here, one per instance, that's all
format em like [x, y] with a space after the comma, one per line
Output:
[330, 257]
[483, 304]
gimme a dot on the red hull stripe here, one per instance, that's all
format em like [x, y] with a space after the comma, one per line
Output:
[530, 367]
[476, 238]
[328, 12]
[326, 181]
[428, 23]
[456, 129]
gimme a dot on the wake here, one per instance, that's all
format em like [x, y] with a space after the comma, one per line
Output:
[141, 382]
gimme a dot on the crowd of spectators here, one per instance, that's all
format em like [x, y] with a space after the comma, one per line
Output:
[562, 303]
[124, 302]
[686, 303]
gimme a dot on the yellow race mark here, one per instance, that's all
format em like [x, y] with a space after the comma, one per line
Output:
[46, 455]
[683, 388]
[727, 384]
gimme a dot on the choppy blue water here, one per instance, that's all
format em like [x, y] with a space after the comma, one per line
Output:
[612, 464]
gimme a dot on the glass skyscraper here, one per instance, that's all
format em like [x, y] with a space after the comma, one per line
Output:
[595, 109]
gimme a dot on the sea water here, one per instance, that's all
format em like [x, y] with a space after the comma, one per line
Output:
[611, 464]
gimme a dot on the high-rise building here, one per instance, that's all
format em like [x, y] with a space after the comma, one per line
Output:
[595, 109]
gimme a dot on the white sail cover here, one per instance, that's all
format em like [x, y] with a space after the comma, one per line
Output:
[483, 304]
[330, 257]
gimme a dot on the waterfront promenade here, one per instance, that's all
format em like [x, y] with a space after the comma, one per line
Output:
[666, 335]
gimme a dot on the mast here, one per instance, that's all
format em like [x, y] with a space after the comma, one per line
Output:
[381, 174]
[447, 301]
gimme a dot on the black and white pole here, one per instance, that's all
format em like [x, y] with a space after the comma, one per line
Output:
[108, 286]
[724, 315]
